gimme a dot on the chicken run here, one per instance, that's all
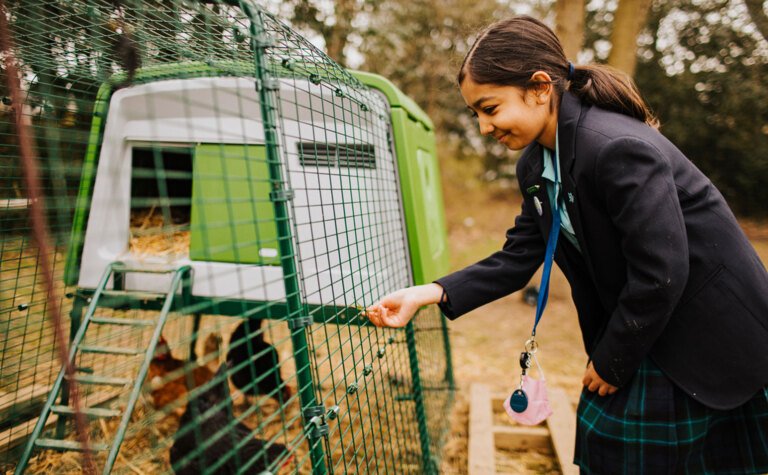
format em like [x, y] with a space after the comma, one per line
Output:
[181, 290]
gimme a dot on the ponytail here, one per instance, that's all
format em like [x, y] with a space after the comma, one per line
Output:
[509, 52]
[611, 89]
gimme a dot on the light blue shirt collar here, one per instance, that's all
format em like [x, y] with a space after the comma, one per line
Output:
[549, 168]
[553, 191]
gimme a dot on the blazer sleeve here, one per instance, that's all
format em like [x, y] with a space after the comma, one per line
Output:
[499, 274]
[638, 187]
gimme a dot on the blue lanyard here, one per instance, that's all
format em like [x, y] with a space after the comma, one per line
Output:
[550, 255]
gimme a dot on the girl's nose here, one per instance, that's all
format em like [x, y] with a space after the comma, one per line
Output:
[486, 128]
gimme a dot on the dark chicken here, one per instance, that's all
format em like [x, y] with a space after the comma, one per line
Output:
[209, 434]
[254, 363]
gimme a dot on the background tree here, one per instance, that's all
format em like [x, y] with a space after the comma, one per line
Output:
[756, 10]
[570, 26]
[335, 25]
[702, 68]
[629, 20]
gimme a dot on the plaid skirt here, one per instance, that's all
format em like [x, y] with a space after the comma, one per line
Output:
[651, 426]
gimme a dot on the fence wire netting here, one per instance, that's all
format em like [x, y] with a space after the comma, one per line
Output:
[221, 202]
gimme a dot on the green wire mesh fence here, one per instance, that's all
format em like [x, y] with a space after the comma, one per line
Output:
[222, 200]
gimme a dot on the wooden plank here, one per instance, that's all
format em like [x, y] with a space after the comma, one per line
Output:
[498, 399]
[521, 437]
[481, 444]
[19, 433]
[24, 394]
[15, 203]
[562, 428]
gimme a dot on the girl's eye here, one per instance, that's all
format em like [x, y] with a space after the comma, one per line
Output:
[486, 110]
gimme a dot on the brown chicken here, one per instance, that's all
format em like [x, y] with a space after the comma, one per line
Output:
[170, 378]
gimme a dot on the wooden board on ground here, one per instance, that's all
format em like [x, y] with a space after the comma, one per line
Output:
[485, 436]
[562, 428]
[481, 443]
[19, 433]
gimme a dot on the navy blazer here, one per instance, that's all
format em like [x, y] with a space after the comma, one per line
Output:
[664, 270]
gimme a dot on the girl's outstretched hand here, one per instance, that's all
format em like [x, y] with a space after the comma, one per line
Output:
[398, 308]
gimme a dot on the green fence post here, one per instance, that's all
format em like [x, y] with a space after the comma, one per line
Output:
[297, 318]
[418, 397]
[448, 358]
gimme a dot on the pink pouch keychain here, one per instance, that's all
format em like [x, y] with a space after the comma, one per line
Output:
[529, 405]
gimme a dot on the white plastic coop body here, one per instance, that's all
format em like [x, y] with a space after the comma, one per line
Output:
[346, 212]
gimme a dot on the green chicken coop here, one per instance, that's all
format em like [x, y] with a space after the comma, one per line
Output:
[222, 202]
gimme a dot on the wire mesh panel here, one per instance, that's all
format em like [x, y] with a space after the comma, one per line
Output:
[223, 201]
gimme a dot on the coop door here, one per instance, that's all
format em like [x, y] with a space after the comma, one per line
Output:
[233, 219]
[428, 174]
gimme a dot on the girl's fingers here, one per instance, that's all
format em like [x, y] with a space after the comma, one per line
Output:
[606, 389]
[593, 386]
[374, 315]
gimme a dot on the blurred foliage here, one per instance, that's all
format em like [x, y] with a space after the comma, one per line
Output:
[61, 70]
[419, 45]
[705, 77]
[701, 65]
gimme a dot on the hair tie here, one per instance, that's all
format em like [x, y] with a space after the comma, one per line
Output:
[571, 70]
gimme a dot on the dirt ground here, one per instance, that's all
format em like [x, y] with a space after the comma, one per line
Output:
[487, 342]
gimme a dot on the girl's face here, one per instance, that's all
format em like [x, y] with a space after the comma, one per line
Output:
[512, 115]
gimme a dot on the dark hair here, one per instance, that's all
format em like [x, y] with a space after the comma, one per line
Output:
[510, 51]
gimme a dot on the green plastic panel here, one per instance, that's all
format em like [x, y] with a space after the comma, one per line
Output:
[232, 220]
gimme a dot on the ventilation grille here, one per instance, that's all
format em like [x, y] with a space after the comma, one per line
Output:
[350, 155]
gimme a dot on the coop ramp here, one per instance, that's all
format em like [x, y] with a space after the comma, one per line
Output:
[115, 274]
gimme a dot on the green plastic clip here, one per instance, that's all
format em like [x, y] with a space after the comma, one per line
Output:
[271, 84]
[288, 63]
[299, 322]
[281, 195]
[317, 428]
[332, 413]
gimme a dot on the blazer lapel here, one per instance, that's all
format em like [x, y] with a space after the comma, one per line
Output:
[534, 187]
[568, 120]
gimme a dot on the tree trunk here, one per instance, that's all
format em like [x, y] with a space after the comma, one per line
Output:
[759, 18]
[570, 26]
[337, 36]
[335, 33]
[629, 19]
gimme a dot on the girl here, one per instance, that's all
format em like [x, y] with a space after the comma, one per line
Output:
[671, 297]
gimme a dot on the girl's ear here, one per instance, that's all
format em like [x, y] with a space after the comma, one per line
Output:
[541, 86]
